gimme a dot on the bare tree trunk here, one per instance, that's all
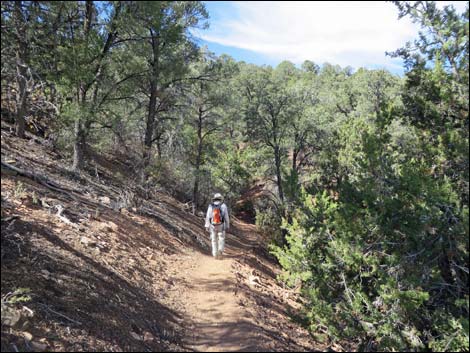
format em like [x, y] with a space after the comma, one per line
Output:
[21, 108]
[277, 161]
[196, 192]
[295, 150]
[78, 147]
[149, 130]
[198, 163]
[284, 212]
[88, 17]
[88, 103]
[79, 140]
[295, 154]
[79, 129]
[21, 71]
[152, 107]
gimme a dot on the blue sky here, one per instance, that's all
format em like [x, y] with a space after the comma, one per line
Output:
[354, 33]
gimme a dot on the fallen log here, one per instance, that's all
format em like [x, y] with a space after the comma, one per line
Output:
[40, 179]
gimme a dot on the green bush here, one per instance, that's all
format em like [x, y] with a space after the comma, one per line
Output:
[386, 264]
[268, 221]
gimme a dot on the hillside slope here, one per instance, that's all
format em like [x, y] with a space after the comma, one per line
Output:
[100, 276]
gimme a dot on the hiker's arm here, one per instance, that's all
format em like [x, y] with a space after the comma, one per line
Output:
[208, 217]
[226, 218]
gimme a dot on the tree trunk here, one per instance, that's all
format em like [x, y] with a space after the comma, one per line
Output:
[277, 160]
[149, 129]
[78, 146]
[80, 131]
[295, 150]
[295, 154]
[152, 107]
[284, 213]
[196, 192]
[88, 17]
[21, 71]
[198, 163]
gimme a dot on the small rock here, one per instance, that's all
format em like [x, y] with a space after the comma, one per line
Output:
[105, 200]
[46, 274]
[87, 241]
[27, 336]
[10, 316]
[136, 336]
[114, 227]
[27, 312]
[254, 280]
[38, 347]
[101, 246]
[108, 227]
[148, 337]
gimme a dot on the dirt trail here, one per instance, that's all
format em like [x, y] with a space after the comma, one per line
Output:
[222, 298]
[219, 323]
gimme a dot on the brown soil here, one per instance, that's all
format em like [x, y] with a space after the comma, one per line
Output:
[235, 304]
[127, 280]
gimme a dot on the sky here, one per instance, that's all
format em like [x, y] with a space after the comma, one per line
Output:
[347, 33]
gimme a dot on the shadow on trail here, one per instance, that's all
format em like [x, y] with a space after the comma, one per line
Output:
[240, 336]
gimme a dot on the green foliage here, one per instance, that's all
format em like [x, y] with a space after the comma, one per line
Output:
[291, 186]
[361, 259]
[386, 261]
[231, 169]
[20, 191]
[453, 332]
[269, 221]
[19, 296]
[34, 198]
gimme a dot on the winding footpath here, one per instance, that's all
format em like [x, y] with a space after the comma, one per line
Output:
[228, 309]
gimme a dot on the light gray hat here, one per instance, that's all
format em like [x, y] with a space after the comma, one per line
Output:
[218, 197]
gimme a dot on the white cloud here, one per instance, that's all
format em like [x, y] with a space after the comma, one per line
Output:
[356, 33]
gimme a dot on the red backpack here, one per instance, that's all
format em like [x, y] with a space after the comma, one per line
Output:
[217, 217]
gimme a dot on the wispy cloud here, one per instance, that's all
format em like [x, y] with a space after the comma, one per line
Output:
[356, 33]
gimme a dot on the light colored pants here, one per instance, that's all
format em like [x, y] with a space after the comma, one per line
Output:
[218, 239]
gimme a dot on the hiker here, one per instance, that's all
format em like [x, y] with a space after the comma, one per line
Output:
[217, 222]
